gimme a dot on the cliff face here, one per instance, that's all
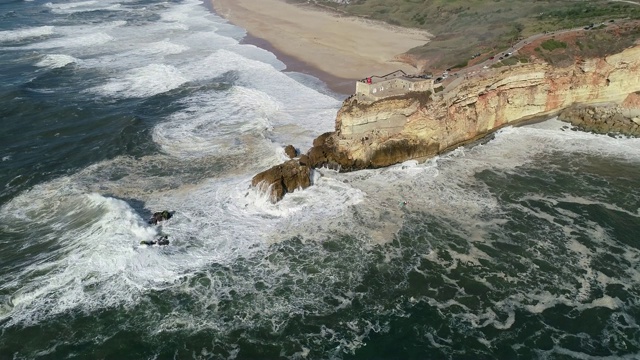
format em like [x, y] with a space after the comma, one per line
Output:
[397, 129]
[421, 125]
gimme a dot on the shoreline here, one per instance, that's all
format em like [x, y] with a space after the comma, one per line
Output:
[337, 50]
[336, 84]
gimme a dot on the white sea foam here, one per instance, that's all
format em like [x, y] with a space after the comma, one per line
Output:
[548, 136]
[97, 262]
[85, 40]
[15, 35]
[70, 5]
[227, 122]
[54, 61]
[83, 6]
[440, 187]
[218, 124]
[238, 113]
[95, 235]
[164, 47]
[142, 82]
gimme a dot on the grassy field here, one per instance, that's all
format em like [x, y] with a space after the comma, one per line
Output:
[466, 27]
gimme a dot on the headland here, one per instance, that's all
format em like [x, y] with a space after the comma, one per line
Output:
[410, 100]
[401, 117]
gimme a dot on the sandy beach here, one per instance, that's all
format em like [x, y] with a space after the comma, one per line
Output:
[344, 47]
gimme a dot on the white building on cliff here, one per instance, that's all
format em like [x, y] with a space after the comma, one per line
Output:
[393, 84]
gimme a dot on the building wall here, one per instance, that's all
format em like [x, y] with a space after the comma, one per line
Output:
[382, 89]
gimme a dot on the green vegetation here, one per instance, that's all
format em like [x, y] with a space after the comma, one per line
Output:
[461, 65]
[510, 61]
[587, 44]
[462, 28]
[507, 62]
[580, 14]
[553, 44]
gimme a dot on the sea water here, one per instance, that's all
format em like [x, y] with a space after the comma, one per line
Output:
[526, 246]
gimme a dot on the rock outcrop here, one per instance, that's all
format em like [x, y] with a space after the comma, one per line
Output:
[282, 179]
[290, 151]
[415, 126]
[603, 119]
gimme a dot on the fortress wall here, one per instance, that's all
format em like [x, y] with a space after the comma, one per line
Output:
[372, 92]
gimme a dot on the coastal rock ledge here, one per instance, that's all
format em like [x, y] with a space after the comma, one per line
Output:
[419, 125]
[609, 119]
[282, 179]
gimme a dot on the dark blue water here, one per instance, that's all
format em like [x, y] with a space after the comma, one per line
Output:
[524, 247]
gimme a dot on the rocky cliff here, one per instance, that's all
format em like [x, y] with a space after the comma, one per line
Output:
[369, 135]
[420, 125]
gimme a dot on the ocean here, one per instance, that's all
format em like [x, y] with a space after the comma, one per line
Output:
[524, 247]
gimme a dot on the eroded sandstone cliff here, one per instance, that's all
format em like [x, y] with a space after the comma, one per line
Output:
[420, 125]
[478, 106]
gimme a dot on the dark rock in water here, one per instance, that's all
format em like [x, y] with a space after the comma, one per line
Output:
[160, 216]
[282, 179]
[290, 151]
[160, 240]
